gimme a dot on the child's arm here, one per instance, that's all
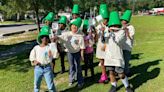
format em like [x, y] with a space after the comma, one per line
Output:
[82, 47]
[82, 54]
[33, 57]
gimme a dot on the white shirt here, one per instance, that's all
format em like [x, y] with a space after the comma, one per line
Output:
[54, 50]
[40, 54]
[113, 51]
[72, 41]
[128, 44]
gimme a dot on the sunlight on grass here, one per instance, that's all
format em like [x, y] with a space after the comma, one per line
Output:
[147, 66]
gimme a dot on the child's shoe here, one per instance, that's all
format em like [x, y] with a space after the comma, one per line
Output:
[103, 78]
[112, 89]
[129, 89]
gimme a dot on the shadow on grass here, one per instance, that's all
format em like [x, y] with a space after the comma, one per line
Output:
[136, 56]
[16, 58]
[10, 50]
[143, 74]
[17, 63]
[87, 83]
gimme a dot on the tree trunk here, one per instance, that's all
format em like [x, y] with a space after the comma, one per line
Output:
[36, 9]
[18, 17]
[37, 19]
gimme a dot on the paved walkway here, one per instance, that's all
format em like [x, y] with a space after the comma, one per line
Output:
[17, 28]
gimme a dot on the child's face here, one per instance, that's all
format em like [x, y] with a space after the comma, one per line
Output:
[105, 21]
[74, 28]
[74, 16]
[45, 40]
[124, 22]
[85, 31]
[116, 27]
[48, 23]
[61, 26]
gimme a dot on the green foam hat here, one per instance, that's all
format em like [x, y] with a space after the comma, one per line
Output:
[86, 24]
[114, 19]
[50, 17]
[103, 11]
[77, 22]
[45, 31]
[75, 9]
[63, 20]
[127, 15]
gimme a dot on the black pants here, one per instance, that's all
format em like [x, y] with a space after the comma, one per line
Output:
[88, 60]
[62, 55]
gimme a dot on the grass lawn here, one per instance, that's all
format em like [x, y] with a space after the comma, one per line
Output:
[16, 40]
[16, 73]
[21, 22]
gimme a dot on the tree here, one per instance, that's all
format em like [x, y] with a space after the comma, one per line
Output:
[13, 7]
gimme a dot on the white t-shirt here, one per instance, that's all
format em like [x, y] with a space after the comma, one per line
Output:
[113, 51]
[72, 41]
[54, 50]
[41, 54]
[128, 44]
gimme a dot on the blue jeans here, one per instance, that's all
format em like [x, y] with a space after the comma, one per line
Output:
[45, 71]
[74, 62]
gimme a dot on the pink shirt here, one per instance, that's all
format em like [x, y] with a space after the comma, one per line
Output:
[88, 44]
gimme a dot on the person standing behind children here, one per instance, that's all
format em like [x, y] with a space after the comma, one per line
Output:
[128, 44]
[62, 51]
[114, 60]
[41, 58]
[88, 53]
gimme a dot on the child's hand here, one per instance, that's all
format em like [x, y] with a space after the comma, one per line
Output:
[36, 63]
[102, 29]
[103, 47]
[50, 54]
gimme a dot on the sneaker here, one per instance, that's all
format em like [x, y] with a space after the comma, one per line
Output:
[80, 85]
[70, 84]
[103, 79]
[129, 89]
[112, 89]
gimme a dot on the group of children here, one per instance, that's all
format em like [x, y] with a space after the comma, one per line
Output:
[114, 38]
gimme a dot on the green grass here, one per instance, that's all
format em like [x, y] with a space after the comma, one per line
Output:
[15, 22]
[15, 40]
[16, 74]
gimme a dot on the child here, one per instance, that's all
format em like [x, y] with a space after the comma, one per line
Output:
[41, 58]
[54, 50]
[100, 53]
[74, 43]
[128, 44]
[88, 53]
[62, 51]
[48, 20]
[114, 60]
[75, 11]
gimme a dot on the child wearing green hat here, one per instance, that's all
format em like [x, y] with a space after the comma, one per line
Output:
[62, 51]
[49, 19]
[89, 50]
[75, 11]
[41, 58]
[128, 44]
[100, 50]
[114, 60]
[74, 43]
